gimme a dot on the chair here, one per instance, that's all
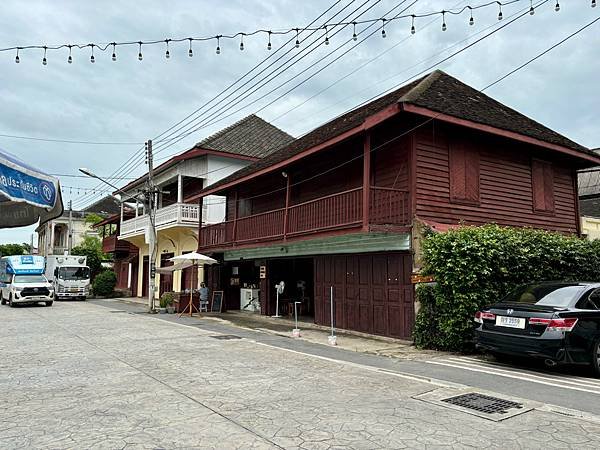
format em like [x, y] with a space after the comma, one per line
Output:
[203, 305]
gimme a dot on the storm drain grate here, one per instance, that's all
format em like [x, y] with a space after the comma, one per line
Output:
[118, 311]
[225, 337]
[483, 403]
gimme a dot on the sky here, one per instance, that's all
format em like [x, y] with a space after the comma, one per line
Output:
[122, 103]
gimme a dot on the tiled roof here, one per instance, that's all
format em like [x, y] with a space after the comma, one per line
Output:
[436, 91]
[251, 136]
[106, 206]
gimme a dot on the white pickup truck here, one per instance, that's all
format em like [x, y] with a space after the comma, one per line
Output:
[69, 275]
[22, 280]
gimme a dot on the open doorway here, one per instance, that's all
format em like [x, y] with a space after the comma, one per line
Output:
[298, 276]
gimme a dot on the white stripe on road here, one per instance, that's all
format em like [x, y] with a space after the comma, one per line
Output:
[517, 375]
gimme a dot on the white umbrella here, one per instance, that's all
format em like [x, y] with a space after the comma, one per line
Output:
[26, 194]
[196, 259]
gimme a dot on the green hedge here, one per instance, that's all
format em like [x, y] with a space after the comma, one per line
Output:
[104, 283]
[475, 266]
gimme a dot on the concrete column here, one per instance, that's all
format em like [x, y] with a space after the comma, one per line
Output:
[179, 188]
[51, 239]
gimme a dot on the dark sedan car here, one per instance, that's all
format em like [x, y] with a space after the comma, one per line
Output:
[557, 322]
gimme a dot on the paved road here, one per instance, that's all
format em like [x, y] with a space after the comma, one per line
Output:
[83, 375]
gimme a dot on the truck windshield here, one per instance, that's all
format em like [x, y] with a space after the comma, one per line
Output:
[558, 295]
[29, 279]
[74, 273]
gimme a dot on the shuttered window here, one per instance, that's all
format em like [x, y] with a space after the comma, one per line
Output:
[464, 173]
[542, 182]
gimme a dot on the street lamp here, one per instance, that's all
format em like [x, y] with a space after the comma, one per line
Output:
[152, 235]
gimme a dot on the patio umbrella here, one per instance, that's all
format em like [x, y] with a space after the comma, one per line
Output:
[196, 259]
[26, 194]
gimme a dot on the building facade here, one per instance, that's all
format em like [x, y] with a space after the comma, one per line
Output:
[338, 213]
[589, 201]
[177, 221]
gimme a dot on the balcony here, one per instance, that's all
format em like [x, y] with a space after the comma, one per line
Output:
[112, 244]
[343, 210]
[179, 214]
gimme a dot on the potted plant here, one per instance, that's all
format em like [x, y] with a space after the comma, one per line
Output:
[166, 302]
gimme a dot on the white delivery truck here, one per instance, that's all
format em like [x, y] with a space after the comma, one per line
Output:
[22, 280]
[70, 276]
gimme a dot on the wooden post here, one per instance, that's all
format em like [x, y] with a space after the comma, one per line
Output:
[235, 217]
[366, 181]
[287, 205]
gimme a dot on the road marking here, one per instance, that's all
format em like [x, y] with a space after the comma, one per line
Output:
[516, 374]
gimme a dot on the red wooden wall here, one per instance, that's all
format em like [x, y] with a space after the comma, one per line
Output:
[506, 189]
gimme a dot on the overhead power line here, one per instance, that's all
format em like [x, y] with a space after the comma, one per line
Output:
[67, 141]
[267, 33]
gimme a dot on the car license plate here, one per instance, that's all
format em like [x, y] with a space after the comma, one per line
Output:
[510, 322]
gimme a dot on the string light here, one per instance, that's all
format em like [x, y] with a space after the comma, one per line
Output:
[45, 61]
[270, 33]
[70, 58]
[593, 3]
[92, 59]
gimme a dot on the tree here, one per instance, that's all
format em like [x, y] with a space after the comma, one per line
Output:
[92, 248]
[11, 249]
[92, 219]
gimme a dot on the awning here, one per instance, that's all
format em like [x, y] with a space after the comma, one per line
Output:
[27, 195]
[174, 267]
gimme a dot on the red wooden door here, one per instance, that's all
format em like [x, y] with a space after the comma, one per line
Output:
[134, 278]
[166, 279]
[145, 269]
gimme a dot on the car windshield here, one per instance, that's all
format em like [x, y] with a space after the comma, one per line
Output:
[558, 295]
[29, 279]
[74, 273]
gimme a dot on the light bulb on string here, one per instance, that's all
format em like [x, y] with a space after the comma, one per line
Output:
[44, 60]
[383, 35]
[326, 35]
[413, 30]
[218, 51]
[114, 53]
[354, 36]
[297, 39]
[242, 42]
[499, 11]
[531, 9]
[557, 7]
[92, 59]
[70, 58]
[471, 19]
[593, 3]
[269, 46]
[140, 57]
[190, 52]
[167, 53]
[444, 28]
[17, 59]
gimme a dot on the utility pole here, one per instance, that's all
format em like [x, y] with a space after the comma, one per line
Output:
[70, 238]
[152, 227]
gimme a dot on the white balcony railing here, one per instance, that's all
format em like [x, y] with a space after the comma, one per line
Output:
[173, 215]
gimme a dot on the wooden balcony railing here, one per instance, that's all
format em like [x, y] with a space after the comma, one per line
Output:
[336, 211]
[111, 244]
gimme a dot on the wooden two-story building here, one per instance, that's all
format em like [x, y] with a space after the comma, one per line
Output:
[341, 206]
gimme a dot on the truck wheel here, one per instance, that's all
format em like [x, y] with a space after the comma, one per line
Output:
[49, 303]
[83, 299]
[596, 357]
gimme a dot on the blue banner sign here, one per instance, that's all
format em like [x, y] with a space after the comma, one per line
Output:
[23, 265]
[19, 182]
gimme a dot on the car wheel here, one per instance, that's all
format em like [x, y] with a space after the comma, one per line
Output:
[596, 357]
[10, 301]
[49, 303]
[2, 301]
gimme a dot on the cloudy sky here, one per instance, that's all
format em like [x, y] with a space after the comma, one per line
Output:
[129, 101]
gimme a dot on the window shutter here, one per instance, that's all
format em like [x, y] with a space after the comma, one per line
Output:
[464, 173]
[542, 181]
